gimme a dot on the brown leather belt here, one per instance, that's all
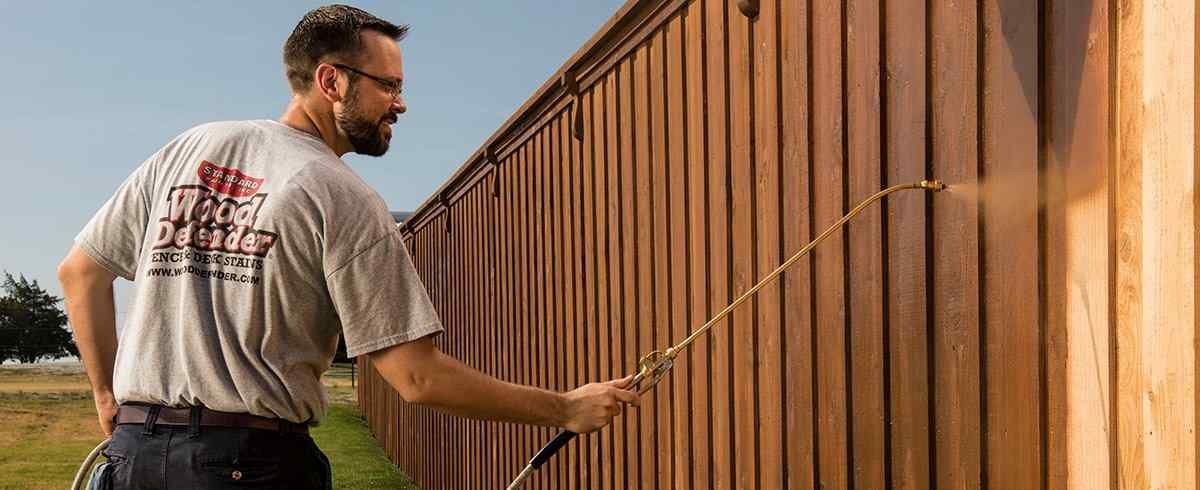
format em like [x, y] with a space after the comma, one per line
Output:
[181, 417]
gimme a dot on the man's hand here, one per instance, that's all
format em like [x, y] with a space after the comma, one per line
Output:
[106, 409]
[594, 405]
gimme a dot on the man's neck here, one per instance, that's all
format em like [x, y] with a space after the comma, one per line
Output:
[302, 118]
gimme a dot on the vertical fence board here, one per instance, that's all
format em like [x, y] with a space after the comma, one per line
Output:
[629, 336]
[660, 261]
[956, 335]
[1010, 243]
[558, 282]
[678, 244]
[545, 333]
[591, 369]
[742, 227]
[904, 138]
[647, 443]
[828, 205]
[1074, 180]
[721, 413]
[697, 356]
[766, 121]
[615, 327]
[570, 238]
[865, 236]
[603, 326]
[799, 349]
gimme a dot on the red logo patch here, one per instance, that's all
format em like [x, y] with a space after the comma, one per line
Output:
[228, 180]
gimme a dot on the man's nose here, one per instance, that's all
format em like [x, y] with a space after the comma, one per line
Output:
[398, 105]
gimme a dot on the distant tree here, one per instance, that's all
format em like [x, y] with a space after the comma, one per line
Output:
[32, 325]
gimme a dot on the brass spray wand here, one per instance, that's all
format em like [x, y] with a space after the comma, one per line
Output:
[654, 366]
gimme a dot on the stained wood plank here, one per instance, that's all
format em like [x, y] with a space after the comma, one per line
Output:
[616, 358]
[660, 246]
[1010, 243]
[545, 333]
[571, 268]
[521, 240]
[828, 168]
[697, 357]
[591, 466]
[764, 37]
[797, 316]
[647, 441]
[956, 332]
[678, 244]
[1076, 266]
[742, 236]
[558, 287]
[628, 141]
[719, 235]
[865, 235]
[508, 195]
[603, 326]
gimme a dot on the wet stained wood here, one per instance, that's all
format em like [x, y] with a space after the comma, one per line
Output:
[994, 335]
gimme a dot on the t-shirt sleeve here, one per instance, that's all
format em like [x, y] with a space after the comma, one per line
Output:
[380, 299]
[114, 236]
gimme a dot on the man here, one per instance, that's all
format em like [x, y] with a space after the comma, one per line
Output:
[254, 246]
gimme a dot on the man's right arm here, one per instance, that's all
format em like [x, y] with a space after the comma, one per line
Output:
[422, 374]
[88, 289]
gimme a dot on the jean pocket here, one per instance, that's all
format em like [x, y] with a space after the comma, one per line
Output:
[256, 472]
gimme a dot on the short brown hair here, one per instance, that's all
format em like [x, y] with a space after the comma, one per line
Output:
[329, 31]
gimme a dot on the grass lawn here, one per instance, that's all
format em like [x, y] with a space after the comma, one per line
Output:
[50, 426]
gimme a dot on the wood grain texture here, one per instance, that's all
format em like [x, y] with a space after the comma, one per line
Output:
[865, 243]
[660, 247]
[1076, 277]
[956, 329]
[697, 358]
[742, 237]
[768, 244]
[629, 337]
[1168, 318]
[678, 245]
[643, 211]
[1023, 329]
[832, 387]
[799, 351]
[1008, 111]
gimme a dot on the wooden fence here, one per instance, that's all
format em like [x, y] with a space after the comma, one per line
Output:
[1032, 327]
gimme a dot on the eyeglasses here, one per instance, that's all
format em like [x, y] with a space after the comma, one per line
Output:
[394, 87]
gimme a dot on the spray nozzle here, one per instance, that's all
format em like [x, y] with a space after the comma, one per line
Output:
[933, 185]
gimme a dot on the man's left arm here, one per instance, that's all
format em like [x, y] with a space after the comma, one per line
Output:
[88, 289]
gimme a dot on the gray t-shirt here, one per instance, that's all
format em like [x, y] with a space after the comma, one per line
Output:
[252, 246]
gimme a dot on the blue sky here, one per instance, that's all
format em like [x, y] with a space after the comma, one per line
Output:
[90, 89]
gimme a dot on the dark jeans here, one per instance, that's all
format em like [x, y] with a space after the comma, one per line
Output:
[213, 457]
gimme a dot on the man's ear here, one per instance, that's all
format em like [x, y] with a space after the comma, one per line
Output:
[325, 81]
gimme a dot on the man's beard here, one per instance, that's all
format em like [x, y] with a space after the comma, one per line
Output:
[364, 134]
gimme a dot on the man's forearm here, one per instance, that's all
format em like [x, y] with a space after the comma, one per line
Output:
[458, 389]
[445, 383]
[92, 314]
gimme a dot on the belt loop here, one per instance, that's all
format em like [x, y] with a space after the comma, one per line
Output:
[194, 422]
[151, 419]
[282, 426]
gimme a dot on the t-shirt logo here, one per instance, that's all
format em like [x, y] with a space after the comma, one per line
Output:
[196, 218]
[230, 181]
